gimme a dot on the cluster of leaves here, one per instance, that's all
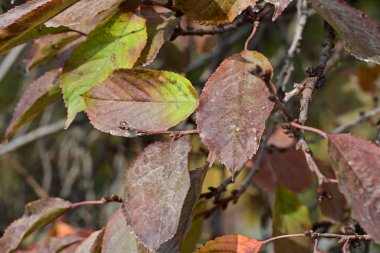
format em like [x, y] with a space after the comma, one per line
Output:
[104, 71]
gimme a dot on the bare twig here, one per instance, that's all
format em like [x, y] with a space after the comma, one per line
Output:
[32, 136]
[316, 77]
[288, 68]
[314, 235]
[311, 163]
[28, 178]
[104, 200]
[361, 118]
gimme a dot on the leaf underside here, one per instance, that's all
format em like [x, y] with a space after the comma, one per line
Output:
[156, 186]
[279, 6]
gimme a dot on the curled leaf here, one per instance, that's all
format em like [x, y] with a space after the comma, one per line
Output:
[40, 93]
[233, 108]
[356, 163]
[231, 244]
[19, 21]
[37, 214]
[353, 26]
[155, 190]
[140, 99]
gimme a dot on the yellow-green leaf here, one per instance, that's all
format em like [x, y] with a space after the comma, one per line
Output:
[290, 217]
[140, 100]
[115, 43]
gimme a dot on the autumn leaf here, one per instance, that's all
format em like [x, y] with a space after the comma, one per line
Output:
[160, 28]
[368, 78]
[19, 21]
[73, 17]
[352, 26]
[115, 43]
[233, 108]
[47, 47]
[196, 180]
[231, 244]
[290, 217]
[91, 244]
[118, 237]
[40, 93]
[356, 163]
[287, 168]
[64, 244]
[156, 186]
[140, 99]
[37, 214]
[279, 6]
[213, 11]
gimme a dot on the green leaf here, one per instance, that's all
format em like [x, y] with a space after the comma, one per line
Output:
[16, 24]
[140, 100]
[290, 217]
[115, 43]
[37, 214]
[40, 93]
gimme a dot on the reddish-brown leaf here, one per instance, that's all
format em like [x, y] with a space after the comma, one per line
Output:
[196, 178]
[280, 140]
[213, 11]
[357, 165]
[233, 108]
[369, 77]
[287, 168]
[334, 208]
[47, 47]
[36, 97]
[37, 214]
[91, 244]
[118, 237]
[55, 245]
[155, 190]
[24, 18]
[95, 11]
[279, 6]
[353, 26]
[231, 244]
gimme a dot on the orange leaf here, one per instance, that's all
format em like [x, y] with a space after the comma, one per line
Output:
[231, 244]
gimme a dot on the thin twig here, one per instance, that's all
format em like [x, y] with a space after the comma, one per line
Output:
[32, 136]
[314, 235]
[287, 69]
[37, 188]
[361, 118]
[104, 200]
